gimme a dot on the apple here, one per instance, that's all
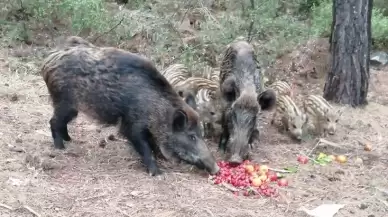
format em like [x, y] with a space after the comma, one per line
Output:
[263, 178]
[256, 182]
[367, 147]
[332, 157]
[257, 167]
[264, 169]
[249, 169]
[341, 158]
[254, 175]
[303, 159]
[282, 182]
[272, 176]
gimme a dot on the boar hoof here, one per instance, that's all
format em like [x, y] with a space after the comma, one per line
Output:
[58, 143]
[215, 170]
[66, 137]
[155, 171]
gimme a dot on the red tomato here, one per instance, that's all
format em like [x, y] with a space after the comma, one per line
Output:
[282, 182]
[303, 159]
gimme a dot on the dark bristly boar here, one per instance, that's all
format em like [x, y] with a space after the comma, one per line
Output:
[118, 87]
[242, 101]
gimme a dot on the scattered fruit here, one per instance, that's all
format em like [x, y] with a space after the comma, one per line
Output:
[254, 175]
[282, 182]
[247, 178]
[332, 157]
[272, 176]
[257, 167]
[249, 168]
[263, 168]
[359, 161]
[303, 159]
[341, 158]
[367, 147]
[263, 178]
[256, 182]
[323, 159]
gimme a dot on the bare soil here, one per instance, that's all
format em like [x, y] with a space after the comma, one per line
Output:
[87, 179]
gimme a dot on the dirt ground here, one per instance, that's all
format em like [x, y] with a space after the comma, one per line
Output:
[89, 180]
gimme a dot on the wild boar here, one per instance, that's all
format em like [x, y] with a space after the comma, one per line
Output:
[117, 87]
[242, 100]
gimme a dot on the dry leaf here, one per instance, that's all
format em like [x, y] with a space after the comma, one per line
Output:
[324, 210]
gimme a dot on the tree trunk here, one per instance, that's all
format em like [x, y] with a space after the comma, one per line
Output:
[348, 80]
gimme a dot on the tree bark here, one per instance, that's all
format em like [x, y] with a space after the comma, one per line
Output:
[348, 80]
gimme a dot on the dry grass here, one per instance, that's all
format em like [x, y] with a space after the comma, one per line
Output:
[87, 180]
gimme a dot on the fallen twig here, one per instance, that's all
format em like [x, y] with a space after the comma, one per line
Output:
[279, 170]
[25, 207]
[31, 210]
[89, 198]
[6, 206]
[250, 32]
[384, 191]
[316, 145]
[122, 19]
[324, 141]
[383, 202]
[229, 187]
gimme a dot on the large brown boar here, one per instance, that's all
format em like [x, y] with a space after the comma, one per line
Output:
[242, 101]
[118, 87]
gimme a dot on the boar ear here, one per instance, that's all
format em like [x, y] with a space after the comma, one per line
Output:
[228, 88]
[180, 120]
[190, 100]
[267, 99]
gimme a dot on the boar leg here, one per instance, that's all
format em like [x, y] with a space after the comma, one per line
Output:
[273, 117]
[223, 139]
[140, 139]
[63, 114]
[254, 136]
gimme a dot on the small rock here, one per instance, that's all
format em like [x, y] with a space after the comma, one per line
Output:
[102, 143]
[359, 161]
[112, 137]
[333, 179]
[16, 149]
[371, 215]
[363, 206]
[31, 160]
[14, 97]
[18, 140]
[379, 58]
[49, 165]
[340, 172]
[6, 84]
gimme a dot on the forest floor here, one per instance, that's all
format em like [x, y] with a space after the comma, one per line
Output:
[88, 180]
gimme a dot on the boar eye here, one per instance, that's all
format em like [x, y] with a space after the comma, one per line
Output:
[328, 120]
[293, 126]
[192, 138]
[212, 113]
[336, 121]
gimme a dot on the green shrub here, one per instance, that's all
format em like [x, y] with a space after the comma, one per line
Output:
[322, 20]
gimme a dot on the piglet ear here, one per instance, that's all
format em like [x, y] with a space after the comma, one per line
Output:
[190, 100]
[179, 120]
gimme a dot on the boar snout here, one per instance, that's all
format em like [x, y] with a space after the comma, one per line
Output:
[235, 159]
